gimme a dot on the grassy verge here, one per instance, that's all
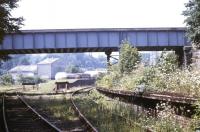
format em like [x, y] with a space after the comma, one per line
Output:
[58, 109]
[106, 114]
[114, 115]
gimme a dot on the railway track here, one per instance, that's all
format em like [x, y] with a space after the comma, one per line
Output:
[91, 127]
[87, 123]
[184, 105]
[18, 116]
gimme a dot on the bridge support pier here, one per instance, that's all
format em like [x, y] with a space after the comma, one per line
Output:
[187, 55]
[108, 54]
[180, 54]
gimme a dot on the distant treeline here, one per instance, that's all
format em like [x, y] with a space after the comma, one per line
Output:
[81, 60]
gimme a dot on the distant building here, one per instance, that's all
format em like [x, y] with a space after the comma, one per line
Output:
[49, 67]
[44, 69]
[24, 70]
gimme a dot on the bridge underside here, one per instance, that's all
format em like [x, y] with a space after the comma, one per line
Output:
[80, 50]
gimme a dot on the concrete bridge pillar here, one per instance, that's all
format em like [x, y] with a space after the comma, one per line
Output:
[108, 54]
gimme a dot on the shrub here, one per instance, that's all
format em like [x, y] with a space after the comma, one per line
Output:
[167, 120]
[130, 81]
[149, 73]
[129, 57]
[167, 62]
[24, 79]
[111, 79]
[6, 79]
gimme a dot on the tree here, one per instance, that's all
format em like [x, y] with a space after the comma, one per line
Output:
[129, 57]
[25, 61]
[73, 69]
[192, 14]
[6, 79]
[8, 24]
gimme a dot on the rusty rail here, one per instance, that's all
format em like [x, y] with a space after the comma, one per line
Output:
[4, 116]
[41, 117]
[150, 100]
[90, 127]
[151, 95]
[50, 125]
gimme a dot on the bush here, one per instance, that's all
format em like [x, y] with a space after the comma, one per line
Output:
[148, 74]
[6, 79]
[180, 81]
[128, 59]
[165, 76]
[167, 62]
[111, 79]
[23, 79]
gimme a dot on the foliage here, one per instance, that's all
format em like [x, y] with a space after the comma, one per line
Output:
[180, 81]
[84, 61]
[6, 79]
[192, 14]
[167, 62]
[196, 117]
[167, 120]
[73, 69]
[112, 115]
[109, 111]
[8, 24]
[15, 60]
[25, 61]
[130, 81]
[111, 79]
[129, 57]
[148, 74]
[25, 79]
[165, 76]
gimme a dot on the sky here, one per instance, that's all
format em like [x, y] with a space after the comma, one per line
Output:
[65, 14]
[73, 14]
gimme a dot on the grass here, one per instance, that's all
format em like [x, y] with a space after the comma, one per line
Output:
[4, 88]
[106, 114]
[46, 87]
[113, 115]
[59, 108]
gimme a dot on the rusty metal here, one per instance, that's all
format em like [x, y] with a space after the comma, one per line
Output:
[4, 116]
[81, 116]
[32, 112]
[149, 100]
[41, 117]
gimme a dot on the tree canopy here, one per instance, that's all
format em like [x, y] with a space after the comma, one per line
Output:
[8, 23]
[129, 57]
[192, 14]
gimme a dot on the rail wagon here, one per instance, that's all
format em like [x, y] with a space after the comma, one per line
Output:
[65, 81]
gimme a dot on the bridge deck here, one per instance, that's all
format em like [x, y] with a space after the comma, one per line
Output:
[92, 40]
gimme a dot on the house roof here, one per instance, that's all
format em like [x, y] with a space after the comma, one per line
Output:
[24, 68]
[48, 61]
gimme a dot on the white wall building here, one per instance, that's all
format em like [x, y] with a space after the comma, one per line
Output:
[49, 67]
[24, 70]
